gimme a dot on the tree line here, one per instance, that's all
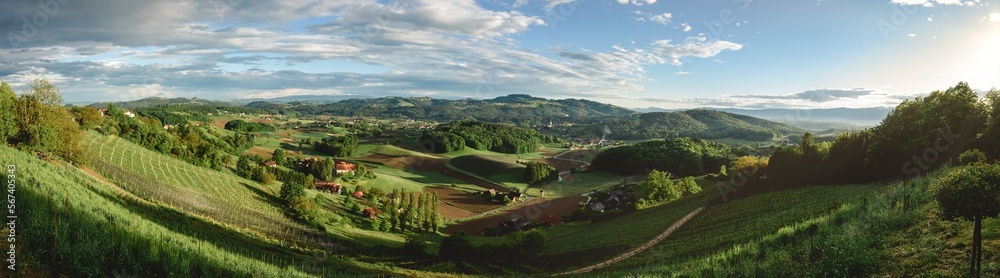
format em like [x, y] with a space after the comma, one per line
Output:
[495, 137]
[683, 156]
[245, 126]
[918, 136]
[411, 211]
[37, 122]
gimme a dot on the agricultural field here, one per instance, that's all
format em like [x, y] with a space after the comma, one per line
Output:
[891, 228]
[581, 243]
[228, 199]
[577, 183]
[98, 228]
[747, 219]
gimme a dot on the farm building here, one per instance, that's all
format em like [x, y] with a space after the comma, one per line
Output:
[270, 163]
[596, 206]
[551, 220]
[358, 194]
[513, 225]
[329, 186]
[370, 212]
[345, 168]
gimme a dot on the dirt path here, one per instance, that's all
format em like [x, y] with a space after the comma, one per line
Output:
[563, 163]
[533, 209]
[629, 254]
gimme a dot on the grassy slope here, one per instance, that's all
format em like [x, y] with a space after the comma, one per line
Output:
[584, 182]
[103, 230]
[485, 165]
[225, 198]
[887, 230]
[582, 243]
[742, 220]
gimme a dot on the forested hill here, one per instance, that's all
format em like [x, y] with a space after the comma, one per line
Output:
[519, 109]
[159, 101]
[707, 124]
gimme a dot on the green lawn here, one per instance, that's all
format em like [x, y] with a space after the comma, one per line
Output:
[486, 165]
[583, 183]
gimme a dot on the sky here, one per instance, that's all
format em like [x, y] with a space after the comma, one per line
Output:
[633, 53]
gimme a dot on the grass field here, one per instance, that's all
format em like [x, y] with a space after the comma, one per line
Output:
[746, 219]
[582, 243]
[96, 229]
[849, 230]
[227, 198]
[485, 165]
[389, 150]
[506, 156]
[581, 183]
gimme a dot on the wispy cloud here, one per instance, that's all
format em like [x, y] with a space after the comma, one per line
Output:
[442, 48]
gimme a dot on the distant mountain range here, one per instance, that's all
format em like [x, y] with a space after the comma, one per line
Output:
[590, 117]
[702, 123]
[159, 101]
[863, 117]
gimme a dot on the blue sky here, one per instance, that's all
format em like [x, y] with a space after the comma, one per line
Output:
[634, 53]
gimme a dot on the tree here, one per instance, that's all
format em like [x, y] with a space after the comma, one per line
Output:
[971, 156]
[41, 124]
[539, 172]
[532, 243]
[88, 117]
[7, 99]
[690, 186]
[660, 188]
[991, 132]
[436, 216]
[971, 193]
[278, 156]
[290, 190]
[456, 247]
[46, 92]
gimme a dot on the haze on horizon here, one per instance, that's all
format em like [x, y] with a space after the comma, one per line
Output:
[632, 53]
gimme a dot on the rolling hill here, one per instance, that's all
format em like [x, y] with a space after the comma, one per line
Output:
[706, 124]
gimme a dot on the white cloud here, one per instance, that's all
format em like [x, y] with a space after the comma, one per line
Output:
[930, 3]
[550, 4]
[424, 47]
[662, 19]
[994, 17]
[686, 27]
[637, 2]
[912, 35]
[699, 47]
